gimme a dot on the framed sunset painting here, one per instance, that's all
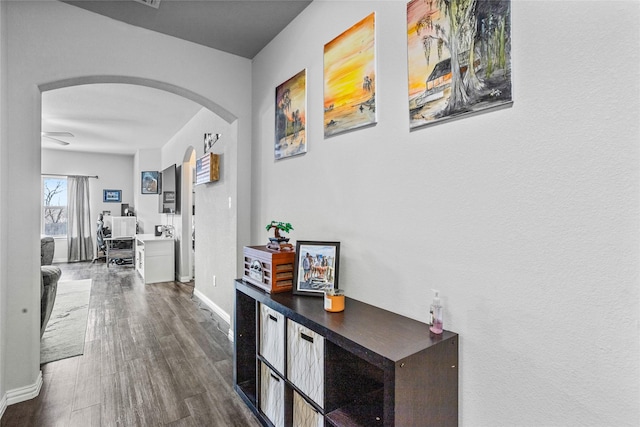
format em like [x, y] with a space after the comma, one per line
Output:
[459, 61]
[291, 117]
[350, 79]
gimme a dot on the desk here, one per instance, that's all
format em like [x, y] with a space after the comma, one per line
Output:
[121, 248]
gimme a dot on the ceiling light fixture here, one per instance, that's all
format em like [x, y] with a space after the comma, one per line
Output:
[53, 136]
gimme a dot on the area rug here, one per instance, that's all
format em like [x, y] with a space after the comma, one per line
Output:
[64, 334]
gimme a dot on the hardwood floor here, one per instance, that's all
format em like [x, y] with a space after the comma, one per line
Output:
[153, 357]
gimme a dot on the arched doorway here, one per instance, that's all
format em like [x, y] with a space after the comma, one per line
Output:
[186, 93]
[185, 257]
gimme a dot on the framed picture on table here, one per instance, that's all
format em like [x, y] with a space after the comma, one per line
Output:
[316, 267]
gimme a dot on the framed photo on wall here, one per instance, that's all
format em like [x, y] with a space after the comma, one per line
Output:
[112, 196]
[316, 267]
[150, 181]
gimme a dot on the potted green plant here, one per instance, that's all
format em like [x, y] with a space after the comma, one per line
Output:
[278, 241]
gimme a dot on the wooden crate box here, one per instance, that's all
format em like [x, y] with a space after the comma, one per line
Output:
[268, 269]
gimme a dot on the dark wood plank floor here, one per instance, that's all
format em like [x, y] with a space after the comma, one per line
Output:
[154, 356]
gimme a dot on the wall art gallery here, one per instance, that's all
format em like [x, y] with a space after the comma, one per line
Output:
[458, 64]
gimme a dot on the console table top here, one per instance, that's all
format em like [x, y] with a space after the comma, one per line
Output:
[372, 329]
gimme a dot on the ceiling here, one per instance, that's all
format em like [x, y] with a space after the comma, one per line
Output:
[121, 118]
[113, 118]
[238, 26]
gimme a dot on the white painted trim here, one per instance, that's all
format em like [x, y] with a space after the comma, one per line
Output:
[184, 279]
[214, 307]
[3, 405]
[25, 393]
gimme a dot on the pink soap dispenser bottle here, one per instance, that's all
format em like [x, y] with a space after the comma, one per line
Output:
[436, 314]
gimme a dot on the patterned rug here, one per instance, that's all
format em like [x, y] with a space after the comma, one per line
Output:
[64, 335]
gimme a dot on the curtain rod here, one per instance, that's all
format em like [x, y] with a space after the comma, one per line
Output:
[59, 174]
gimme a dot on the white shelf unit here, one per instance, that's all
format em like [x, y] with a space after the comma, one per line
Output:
[155, 258]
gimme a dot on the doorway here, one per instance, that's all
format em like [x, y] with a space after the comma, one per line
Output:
[188, 248]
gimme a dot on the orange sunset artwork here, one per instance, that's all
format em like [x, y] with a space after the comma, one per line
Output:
[350, 79]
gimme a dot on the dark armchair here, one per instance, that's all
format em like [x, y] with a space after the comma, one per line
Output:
[50, 274]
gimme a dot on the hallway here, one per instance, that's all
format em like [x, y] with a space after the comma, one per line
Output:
[153, 356]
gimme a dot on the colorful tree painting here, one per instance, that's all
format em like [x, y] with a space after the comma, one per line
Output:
[291, 107]
[459, 58]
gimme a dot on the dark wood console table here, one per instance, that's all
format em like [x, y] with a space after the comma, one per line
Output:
[378, 367]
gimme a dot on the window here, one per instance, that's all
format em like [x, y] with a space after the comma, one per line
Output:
[54, 206]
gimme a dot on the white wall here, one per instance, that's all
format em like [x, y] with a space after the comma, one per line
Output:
[115, 172]
[525, 219]
[216, 209]
[3, 224]
[147, 209]
[74, 43]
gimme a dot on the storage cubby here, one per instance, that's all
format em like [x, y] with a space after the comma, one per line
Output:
[245, 362]
[351, 383]
[362, 367]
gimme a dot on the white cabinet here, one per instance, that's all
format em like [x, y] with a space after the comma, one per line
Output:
[155, 260]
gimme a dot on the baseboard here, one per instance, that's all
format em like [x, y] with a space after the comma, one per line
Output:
[24, 393]
[213, 307]
[3, 405]
[184, 279]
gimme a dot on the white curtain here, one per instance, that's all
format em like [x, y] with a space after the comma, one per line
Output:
[79, 234]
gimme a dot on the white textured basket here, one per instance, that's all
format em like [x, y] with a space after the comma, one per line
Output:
[271, 395]
[305, 415]
[305, 361]
[272, 326]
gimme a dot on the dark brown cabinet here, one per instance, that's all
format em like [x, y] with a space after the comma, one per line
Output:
[376, 368]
